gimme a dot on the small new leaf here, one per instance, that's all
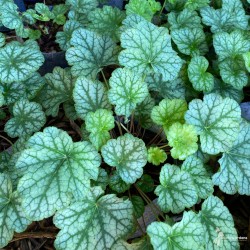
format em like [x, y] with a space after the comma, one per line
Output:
[168, 112]
[183, 140]
[144, 8]
[99, 123]
[128, 154]
[156, 156]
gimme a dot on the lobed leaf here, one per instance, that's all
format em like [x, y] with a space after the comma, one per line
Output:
[147, 49]
[90, 52]
[128, 154]
[89, 96]
[54, 169]
[28, 118]
[234, 173]
[93, 223]
[216, 120]
[187, 234]
[127, 89]
[176, 190]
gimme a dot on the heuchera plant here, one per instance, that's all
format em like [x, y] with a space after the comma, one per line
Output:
[153, 95]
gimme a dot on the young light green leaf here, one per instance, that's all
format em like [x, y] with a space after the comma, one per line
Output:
[117, 184]
[144, 8]
[183, 140]
[168, 112]
[54, 169]
[156, 155]
[148, 50]
[200, 79]
[216, 120]
[28, 118]
[90, 52]
[128, 154]
[218, 224]
[63, 37]
[106, 21]
[99, 123]
[127, 89]
[12, 218]
[2, 39]
[176, 190]
[184, 19]
[190, 41]
[201, 178]
[234, 173]
[89, 96]
[18, 61]
[233, 72]
[93, 223]
[58, 89]
[230, 45]
[167, 89]
[187, 234]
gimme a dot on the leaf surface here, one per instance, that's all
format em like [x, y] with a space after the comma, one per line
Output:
[128, 154]
[216, 120]
[93, 223]
[234, 173]
[54, 169]
[147, 49]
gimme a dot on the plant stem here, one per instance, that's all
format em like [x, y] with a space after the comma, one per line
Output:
[119, 127]
[105, 80]
[154, 208]
[163, 6]
[159, 132]
[6, 139]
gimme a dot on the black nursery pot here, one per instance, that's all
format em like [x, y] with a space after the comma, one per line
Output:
[114, 3]
[52, 60]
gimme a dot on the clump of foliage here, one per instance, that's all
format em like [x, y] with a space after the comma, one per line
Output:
[152, 94]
